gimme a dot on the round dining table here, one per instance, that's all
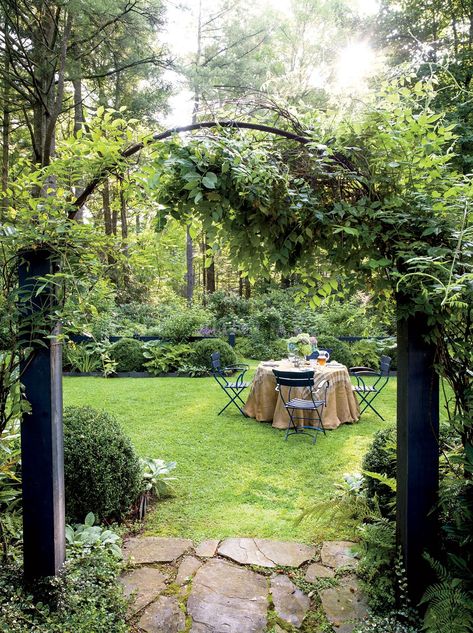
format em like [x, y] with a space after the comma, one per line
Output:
[264, 403]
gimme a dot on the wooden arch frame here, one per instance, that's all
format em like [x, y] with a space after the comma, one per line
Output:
[417, 420]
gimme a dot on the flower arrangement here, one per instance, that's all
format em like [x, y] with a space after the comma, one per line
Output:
[302, 344]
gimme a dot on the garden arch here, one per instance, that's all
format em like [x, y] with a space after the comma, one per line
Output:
[42, 453]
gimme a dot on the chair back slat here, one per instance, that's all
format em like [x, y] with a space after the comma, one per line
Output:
[293, 378]
[384, 365]
[216, 362]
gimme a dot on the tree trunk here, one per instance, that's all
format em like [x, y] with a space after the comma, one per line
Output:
[190, 278]
[79, 121]
[107, 213]
[114, 210]
[210, 278]
[247, 287]
[190, 268]
[49, 81]
[5, 133]
[123, 216]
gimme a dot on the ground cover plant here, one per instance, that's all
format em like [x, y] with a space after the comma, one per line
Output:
[236, 476]
[85, 598]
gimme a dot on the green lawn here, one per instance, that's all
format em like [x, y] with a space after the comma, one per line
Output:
[236, 476]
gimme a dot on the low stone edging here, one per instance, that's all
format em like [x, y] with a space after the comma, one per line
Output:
[126, 374]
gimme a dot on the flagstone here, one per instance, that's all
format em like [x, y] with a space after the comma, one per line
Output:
[338, 554]
[143, 585]
[344, 605]
[316, 570]
[266, 553]
[146, 550]
[227, 598]
[207, 549]
[163, 616]
[187, 569]
[290, 603]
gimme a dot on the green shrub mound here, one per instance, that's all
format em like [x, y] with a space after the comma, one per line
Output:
[249, 348]
[182, 326]
[101, 469]
[340, 351]
[128, 355]
[202, 351]
[381, 458]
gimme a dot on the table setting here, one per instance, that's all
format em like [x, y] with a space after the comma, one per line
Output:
[265, 405]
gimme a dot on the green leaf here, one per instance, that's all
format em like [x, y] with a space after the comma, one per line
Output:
[210, 180]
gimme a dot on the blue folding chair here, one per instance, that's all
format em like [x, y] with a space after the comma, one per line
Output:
[232, 389]
[297, 380]
[368, 392]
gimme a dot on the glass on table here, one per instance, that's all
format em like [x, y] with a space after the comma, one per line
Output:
[323, 357]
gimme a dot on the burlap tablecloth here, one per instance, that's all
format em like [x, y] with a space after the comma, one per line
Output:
[265, 404]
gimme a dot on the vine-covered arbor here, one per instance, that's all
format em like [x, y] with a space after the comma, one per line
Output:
[308, 196]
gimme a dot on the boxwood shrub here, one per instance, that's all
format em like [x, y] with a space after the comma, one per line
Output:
[381, 458]
[128, 354]
[101, 469]
[340, 351]
[202, 351]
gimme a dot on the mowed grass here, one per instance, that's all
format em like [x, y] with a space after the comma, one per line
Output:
[236, 476]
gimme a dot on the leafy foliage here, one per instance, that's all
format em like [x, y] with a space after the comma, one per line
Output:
[366, 353]
[381, 460]
[10, 491]
[387, 624]
[88, 598]
[248, 348]
[81, 357]
[155, 481]
[101, 468]
[181, 326]
[85, 536]
[155, 476]
[163, 358]
[376, 564]
[450, 604]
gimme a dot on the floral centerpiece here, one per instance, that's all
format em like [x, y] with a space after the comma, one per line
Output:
[302, 345]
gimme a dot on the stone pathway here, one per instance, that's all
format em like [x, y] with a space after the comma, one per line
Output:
[239, 585]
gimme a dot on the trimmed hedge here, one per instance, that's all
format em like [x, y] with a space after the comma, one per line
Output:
[128, 354]
[340, 351]
[101, 469]
[202, 350]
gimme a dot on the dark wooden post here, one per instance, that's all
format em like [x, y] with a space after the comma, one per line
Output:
[417, 449]
[42, 452]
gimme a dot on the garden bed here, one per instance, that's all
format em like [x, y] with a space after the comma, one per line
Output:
[127, 374]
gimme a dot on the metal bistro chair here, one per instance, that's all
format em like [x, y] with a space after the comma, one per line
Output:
[300, 379]
[232, 389]
[368, 392]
